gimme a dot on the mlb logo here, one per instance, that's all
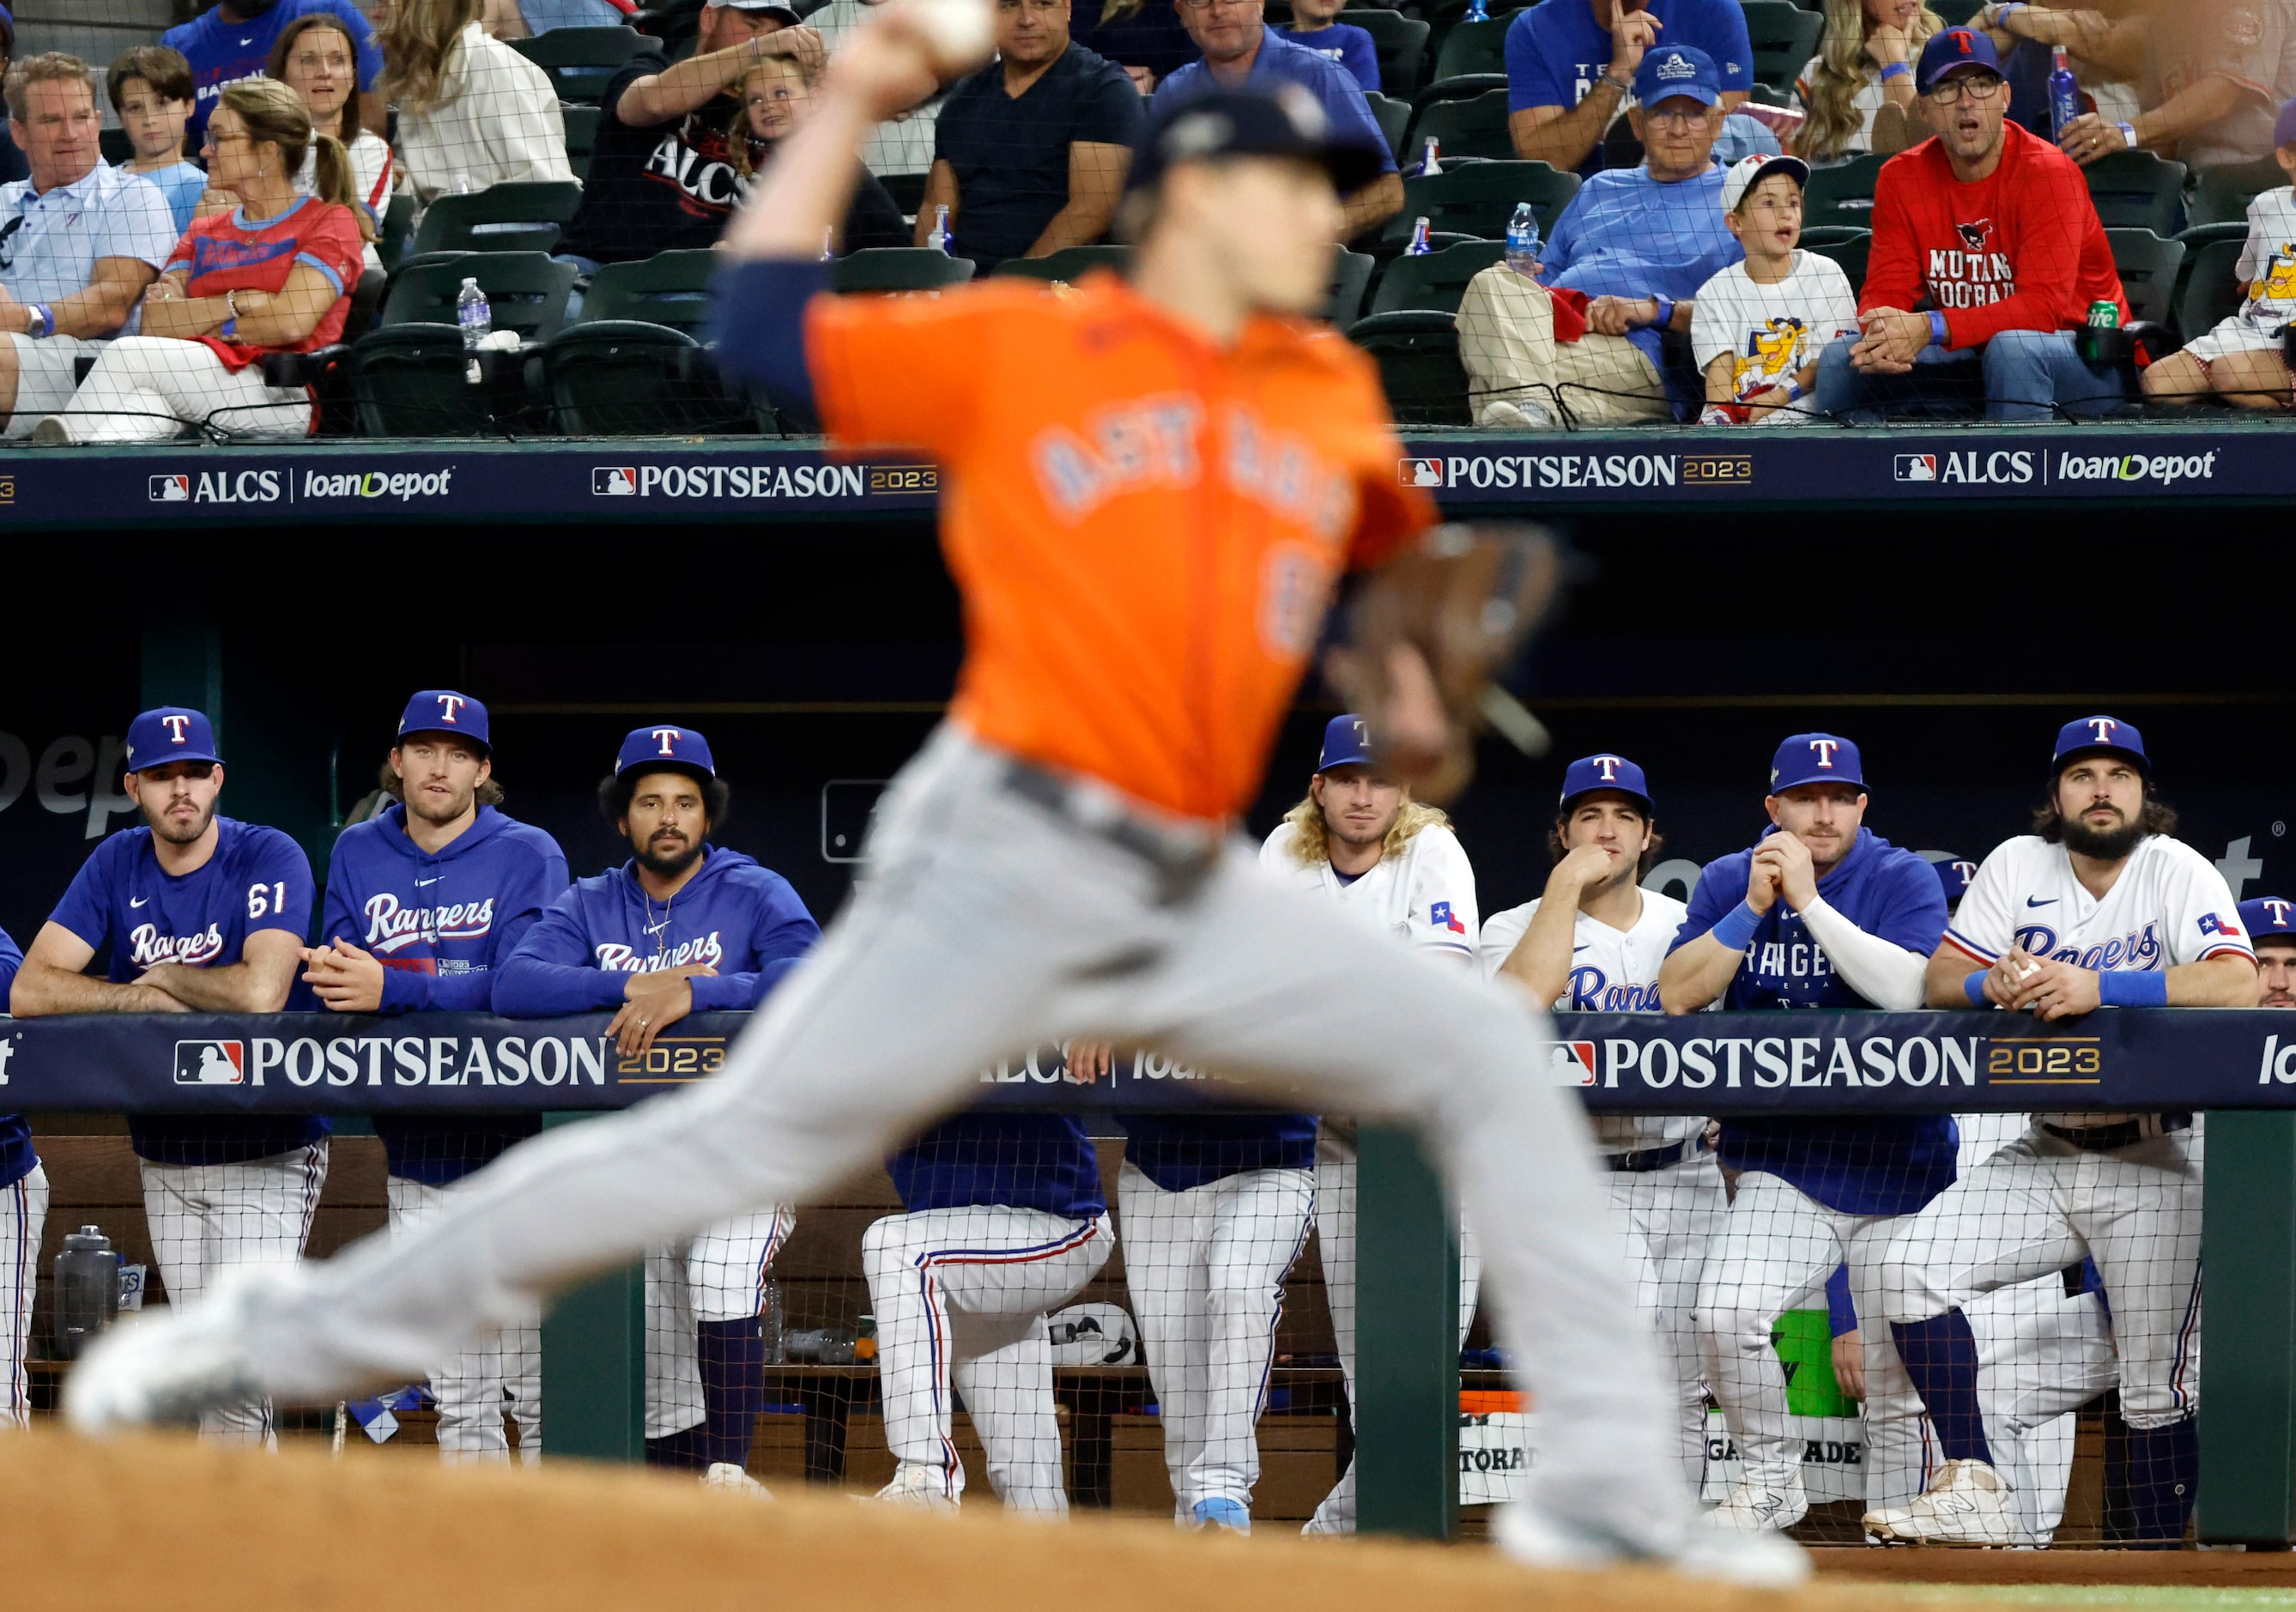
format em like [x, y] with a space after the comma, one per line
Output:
[1917, 467]
[210, 1063]
[1573, 1063]
[1419, 473]
[168, 489]
[614, 481]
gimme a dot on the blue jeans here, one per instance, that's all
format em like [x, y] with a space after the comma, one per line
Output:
[584, 268]
[2022, 375]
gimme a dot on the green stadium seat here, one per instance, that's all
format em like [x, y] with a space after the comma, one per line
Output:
[1435, 281]
[526, 291]
[1842, 193]
[1350, 279]
[623, 377]
[670, 289]
[1474, 127]
[2221, 196]
[1070, 264]
[581, 61]
[2137, 190]
[1479, 198]
[889, 268]
[1846, 244]
[1473, 47]
[581, 137]
[1784, 37]
[1401, 42]
[501, 217]
[2148, 266]
[1418, 367]
[1394, 116]
[2209, 288]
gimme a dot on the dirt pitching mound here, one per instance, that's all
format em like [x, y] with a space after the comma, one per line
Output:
[165, 1523]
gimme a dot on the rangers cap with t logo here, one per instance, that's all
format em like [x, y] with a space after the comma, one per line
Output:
[443, 710]
[1589, 774]
[2107, 735]
[1347, 742]
[665, 744]
[1951, 49]
[1816, 758]
[2268, 917]
[170, 732]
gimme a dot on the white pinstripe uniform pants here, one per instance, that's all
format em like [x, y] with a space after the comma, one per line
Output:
[23, 1213]
[718, 1275]
[501, 1374]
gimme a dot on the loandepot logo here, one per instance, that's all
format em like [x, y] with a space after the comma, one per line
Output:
[210, 1063]
[2163, 470]
[401, 485]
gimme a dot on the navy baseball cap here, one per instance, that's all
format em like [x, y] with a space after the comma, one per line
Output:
[1347, 742]
[1285, 121]
[1955, 47]
[2284, 126]
[679, 749]
[1589, 774]
[2106, 734]
[443, 710]
[1816, 758]
[1678, 69]
[1954, 874]
[2269, 918]
[170, 732]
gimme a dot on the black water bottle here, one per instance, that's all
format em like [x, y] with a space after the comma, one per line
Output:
[87, 1290]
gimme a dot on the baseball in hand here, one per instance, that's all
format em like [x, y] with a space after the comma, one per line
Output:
[959, 33]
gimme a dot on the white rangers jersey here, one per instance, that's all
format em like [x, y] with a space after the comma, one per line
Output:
[2169, 906]
[1423, 895]
[1612, 971]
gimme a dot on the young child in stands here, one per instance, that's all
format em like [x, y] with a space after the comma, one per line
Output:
[151, 90]
[1315, 24]
[775, 94]
[2243, 360]
[1759, 326]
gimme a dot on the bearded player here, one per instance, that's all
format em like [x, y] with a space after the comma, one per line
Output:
[1359, 839]
[1153, 487]
[2098, 907]
[1593, 943]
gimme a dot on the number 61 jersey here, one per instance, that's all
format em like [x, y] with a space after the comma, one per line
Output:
[136, 916]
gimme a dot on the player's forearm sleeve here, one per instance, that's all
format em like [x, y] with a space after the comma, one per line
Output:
[1841, 1310]
[1885, 973]
[531, 988]
[404, 991]
[759, 323]
[724, 992]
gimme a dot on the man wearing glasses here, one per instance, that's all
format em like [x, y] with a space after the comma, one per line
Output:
[79, 240]
[1240, 48]
[1986, 255]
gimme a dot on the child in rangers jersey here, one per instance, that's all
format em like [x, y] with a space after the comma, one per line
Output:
[2241, 359]
[1593, 943]
[23, 1212]
[682, 927]
[1361, 841]
[1004, 1221]
[422, 903]
[2098, 907]
[1823, 913]
[196, 911]
[1759, 326]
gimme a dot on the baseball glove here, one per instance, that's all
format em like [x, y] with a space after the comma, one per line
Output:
[1426, 635]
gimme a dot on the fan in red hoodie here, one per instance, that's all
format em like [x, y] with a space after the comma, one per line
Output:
[1986, 255]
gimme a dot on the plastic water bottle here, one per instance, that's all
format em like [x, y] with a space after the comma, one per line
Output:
[940, 236]
[1522, 243]
[1430, 160]
[828, 242]
[772, 1323]
[87, 1290]
[2064, 93]
[474, 315]
[1418, 247]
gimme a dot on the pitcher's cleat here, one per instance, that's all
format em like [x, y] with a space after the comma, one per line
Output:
[1758, 1507]
[150, 1369]
[727, 1478]
[1221, 1513]
[1966, 1504]
[919, 1487]
[1763, 1560]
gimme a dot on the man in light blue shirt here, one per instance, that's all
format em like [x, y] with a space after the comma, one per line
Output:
[79, 239]
[1240, 48]
[1635, 245]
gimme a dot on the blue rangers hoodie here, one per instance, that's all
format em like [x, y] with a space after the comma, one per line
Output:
[742, 919]
[441, 923]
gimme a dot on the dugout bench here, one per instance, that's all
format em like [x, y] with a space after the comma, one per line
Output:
[2240, 1066]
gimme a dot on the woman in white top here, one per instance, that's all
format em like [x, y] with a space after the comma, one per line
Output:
[1857, 94]
[472, 112]
[314, 57]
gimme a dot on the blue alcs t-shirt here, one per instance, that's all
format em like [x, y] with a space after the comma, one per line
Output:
[136, 916]
[1344, 43]
[16, 1156]
[1282, 61]
[222, 52]
[1887, 1166]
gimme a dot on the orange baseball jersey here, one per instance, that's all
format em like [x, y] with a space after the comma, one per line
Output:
[1145, 528]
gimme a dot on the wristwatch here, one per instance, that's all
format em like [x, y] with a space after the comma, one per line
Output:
[1625, 89]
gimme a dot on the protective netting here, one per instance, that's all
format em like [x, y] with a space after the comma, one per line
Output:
[522, 244]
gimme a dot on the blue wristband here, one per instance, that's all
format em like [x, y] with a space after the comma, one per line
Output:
[2129, 988]
[1738, 927]
[1896, 69]
[47, 319]
[1937, 328]
[1665, 314]
[1972, 986]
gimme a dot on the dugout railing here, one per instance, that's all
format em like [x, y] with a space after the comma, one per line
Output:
[2238, 1067]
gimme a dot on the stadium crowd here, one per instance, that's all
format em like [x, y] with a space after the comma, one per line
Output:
[1994, 169]
[1984, 1283]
